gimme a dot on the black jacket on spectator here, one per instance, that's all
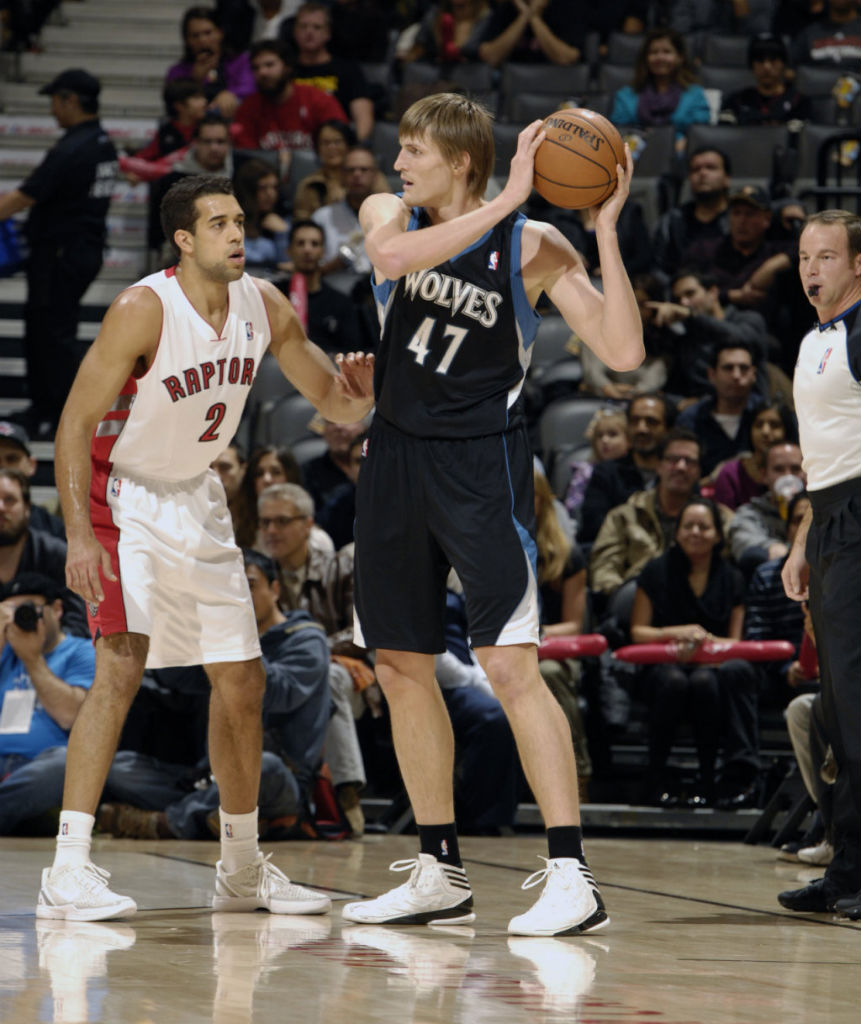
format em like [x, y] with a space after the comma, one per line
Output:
[611, 484]
[717, 446]
[680, 240]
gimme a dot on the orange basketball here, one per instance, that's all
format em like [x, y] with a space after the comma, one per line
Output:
[575, 165]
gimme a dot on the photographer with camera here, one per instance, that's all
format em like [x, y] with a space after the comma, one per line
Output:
[44, 676]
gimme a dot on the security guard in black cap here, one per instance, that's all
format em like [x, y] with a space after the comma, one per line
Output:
[68, 196]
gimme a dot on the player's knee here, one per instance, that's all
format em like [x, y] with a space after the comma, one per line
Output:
[511, 679]
[242, 691]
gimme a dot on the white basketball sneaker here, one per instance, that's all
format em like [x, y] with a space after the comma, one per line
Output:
[569, 905]
[435, 893]
[79, 892]
[261, 886]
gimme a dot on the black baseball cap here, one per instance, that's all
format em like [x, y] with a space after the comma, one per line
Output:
[13, 432]
[74, 80]
[32, 583]
[764, 45]
[753, 195]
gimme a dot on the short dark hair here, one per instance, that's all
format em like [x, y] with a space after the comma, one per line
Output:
[655, 396]
[705, 279]
[209, 118]
[33, 583]
[727, 343]
[727, 163]
[305, 222]
[263, 562]
[177, 91]
[344, 130]
[679, 434]
[179, 212]
[22, 481]
[271, 46]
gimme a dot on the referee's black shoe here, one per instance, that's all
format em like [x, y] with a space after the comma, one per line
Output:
[812, 899]
[849, 906]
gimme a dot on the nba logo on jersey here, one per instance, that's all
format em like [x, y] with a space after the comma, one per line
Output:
[824, 360]
[228, 831]
[115, 487]
[365, 448]
[249, 330]
[64, 829]
[493, 260]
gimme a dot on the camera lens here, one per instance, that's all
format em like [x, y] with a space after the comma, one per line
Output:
[27, 617]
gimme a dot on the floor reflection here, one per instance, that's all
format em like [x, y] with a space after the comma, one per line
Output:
[74, 955]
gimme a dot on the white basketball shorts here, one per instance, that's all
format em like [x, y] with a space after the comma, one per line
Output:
[180, 576]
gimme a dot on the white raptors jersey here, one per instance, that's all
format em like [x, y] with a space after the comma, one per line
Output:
[170, 423]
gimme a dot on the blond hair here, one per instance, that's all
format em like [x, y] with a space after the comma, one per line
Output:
[554, 547]
[457, 125]
[602, 417]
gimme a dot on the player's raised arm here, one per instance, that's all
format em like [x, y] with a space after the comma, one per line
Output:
[127, 338]
[384, 218]
[342, 393]
[609, 323]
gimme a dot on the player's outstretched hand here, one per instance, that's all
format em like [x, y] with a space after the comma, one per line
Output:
[83, 561]
[522, 174]
[608, 212]
[357, 374]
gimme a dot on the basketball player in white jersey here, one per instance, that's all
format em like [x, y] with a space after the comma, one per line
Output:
[150, 541]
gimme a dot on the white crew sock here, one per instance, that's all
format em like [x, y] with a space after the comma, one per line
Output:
[74, 838]
[238, 839]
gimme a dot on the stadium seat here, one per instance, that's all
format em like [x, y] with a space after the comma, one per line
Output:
[285, 422]
[623, 48]
[724, 50]
[750, 148]
[564, 84]
[562, 427]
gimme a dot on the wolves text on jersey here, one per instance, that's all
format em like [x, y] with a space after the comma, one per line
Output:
[454, 294]
[209, 374]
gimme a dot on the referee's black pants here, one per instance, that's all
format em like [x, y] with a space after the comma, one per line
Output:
[834, 555]
[58, 274]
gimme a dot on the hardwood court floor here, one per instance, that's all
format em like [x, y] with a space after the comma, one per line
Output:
[696, 937]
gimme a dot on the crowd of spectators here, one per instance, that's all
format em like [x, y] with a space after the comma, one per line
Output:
[672, 526]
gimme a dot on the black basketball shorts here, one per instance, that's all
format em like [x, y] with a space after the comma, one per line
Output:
[425, 505]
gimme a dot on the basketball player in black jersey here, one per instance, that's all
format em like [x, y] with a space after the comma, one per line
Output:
[447, 481]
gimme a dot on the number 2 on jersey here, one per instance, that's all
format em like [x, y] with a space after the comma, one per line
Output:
[420, 342]
[216, 414]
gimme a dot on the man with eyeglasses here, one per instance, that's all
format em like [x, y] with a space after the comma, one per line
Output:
[643, 527]
[345, 242]
[319, 581]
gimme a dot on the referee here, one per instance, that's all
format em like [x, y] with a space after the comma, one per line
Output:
[826, 556]
[68, 196]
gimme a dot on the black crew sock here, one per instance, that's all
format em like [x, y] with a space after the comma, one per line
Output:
[565, 841]
[440, 841]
